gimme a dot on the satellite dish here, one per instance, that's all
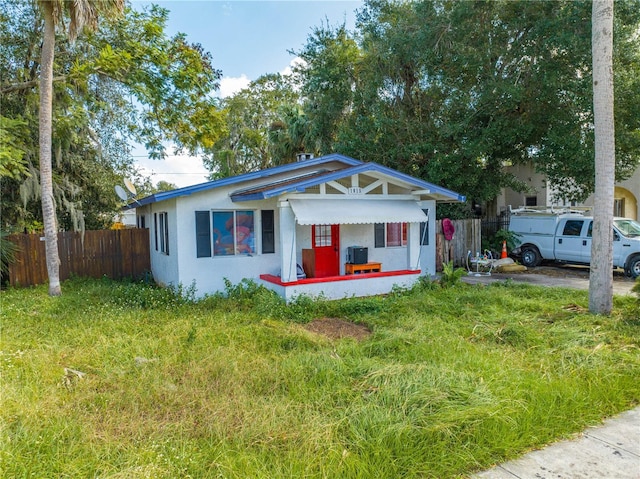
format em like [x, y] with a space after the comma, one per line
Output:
[121, 193]
[129, 186]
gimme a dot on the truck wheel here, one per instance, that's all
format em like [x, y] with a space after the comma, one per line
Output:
[530, 256]
[633, 266]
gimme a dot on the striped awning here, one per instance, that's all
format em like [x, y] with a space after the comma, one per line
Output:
[355, 211]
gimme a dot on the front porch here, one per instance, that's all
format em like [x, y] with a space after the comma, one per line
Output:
[338, 287]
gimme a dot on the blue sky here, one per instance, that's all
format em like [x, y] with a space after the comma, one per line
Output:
[246, 39]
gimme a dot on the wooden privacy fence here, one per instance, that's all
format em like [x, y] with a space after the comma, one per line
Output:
[124, 253]
[116, 254]
[467, 237]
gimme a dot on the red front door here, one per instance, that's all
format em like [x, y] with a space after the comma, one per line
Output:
[326, 243]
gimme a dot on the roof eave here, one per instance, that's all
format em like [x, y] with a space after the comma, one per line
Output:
[437, 192]
[188, 190]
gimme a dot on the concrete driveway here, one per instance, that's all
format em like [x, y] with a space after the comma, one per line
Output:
[576, 277]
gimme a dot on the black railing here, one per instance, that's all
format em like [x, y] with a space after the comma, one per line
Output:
[490, 226]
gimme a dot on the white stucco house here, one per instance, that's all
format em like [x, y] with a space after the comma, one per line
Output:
[355, 228]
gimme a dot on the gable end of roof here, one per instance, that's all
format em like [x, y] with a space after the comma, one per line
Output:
[275, 170]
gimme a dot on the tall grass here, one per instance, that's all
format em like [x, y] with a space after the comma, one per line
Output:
[451, 380]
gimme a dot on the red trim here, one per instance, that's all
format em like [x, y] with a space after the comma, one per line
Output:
[330, 279]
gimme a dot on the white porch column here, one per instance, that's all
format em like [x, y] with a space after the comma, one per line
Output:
[428, 253]
[413, 246]
[287, 242]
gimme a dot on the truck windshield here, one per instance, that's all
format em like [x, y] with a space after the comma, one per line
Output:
[628, 227]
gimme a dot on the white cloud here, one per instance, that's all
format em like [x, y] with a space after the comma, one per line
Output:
[293, 63]
[231, 85]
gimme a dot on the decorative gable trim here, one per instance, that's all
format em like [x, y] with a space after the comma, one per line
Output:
[269, 172]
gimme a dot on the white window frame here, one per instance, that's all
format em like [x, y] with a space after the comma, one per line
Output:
[161, 226]
[403, 235]
[256, 224]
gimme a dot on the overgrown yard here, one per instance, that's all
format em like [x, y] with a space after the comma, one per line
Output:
[434, 382]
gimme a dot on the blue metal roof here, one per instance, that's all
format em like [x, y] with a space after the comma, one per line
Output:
[280, 187]
[277, 189]
[188, 190]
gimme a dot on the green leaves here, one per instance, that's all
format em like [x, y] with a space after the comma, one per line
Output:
[12, 148]
[172, 81]
[456, 91]
[127, 82]
[260, 126]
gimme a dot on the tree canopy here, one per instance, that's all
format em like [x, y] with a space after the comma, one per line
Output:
[256, 129]
[454, 92]
[126, 83]
[451, 92]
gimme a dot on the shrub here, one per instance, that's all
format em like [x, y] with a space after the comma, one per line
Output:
[8, 252]
[494, 243]
[451, 275]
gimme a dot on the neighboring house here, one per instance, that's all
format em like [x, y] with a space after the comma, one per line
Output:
[626, 195]
[263, 225]
[125, 219]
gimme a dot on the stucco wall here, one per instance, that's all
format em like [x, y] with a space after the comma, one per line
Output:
[164, 267]
[427, 254]
[630, 191]
[209, 273]
[537, 183]
[182, 266]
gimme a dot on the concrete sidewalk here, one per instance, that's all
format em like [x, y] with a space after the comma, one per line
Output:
[610, 451]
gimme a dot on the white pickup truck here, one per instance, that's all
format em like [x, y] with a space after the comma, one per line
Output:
[566, 237]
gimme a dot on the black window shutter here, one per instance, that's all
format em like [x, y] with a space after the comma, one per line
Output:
[268, 232]
[379, 234]
[203, 234]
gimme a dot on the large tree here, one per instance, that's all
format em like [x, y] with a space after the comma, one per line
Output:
[251, 117]
[327, 78]
[454, 92]
[601, 275]
[86, 159]
[126, 82]
[82, 14]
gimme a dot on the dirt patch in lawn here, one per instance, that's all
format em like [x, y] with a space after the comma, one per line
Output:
[335, 328]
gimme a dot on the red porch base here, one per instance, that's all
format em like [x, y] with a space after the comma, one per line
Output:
[330, 279]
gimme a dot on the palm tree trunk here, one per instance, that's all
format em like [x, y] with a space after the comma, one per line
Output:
[601, 275]
[46, 174]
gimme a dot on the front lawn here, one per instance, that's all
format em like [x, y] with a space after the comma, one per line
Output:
[435, 382]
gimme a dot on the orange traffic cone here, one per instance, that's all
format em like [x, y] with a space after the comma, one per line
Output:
[504, 250]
